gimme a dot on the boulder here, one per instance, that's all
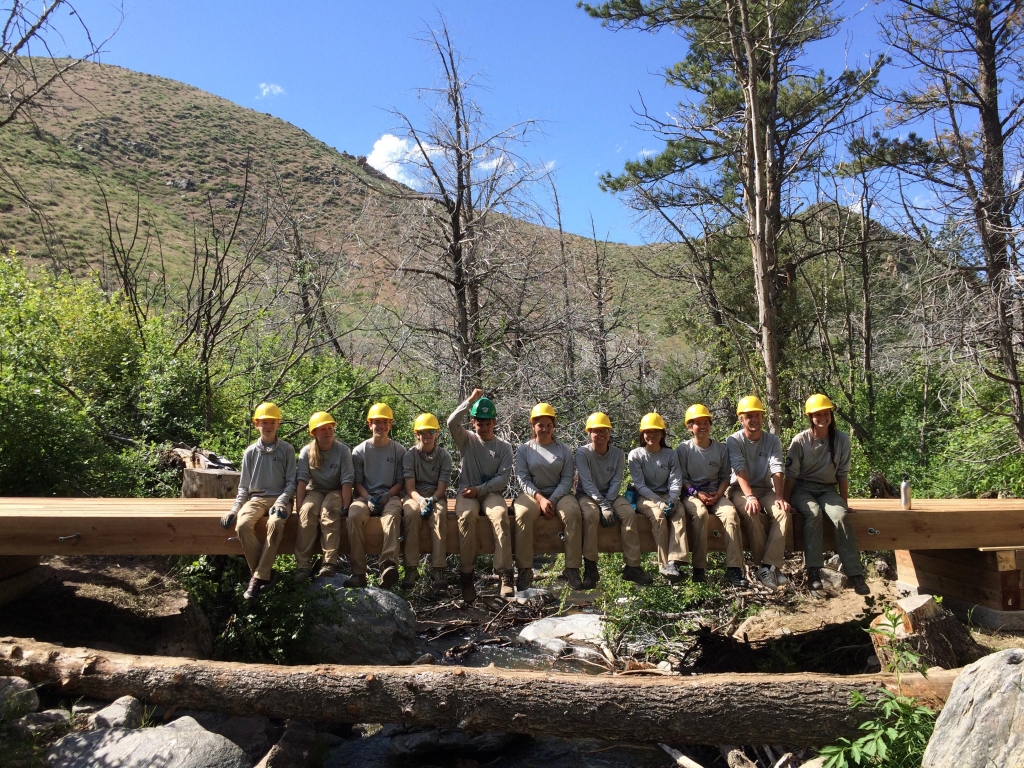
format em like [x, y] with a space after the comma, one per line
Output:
[17, 696]
[41, 723]
[125, 712]
[182, 744]
[579, 628]
[253, 734]
[87, 706]
[834, 579]
[376, 627]
[294, 749]
[982, 723]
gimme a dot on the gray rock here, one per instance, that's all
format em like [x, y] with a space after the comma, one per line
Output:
[372, 752]
[833, 579]
[294, 749]
[433, 740]
[579, 627]
[17, 696]
[426, 658]
[182, 744]
[125, 712]
[41, 723]
[252, 734]
[376, 627]
[87, 706]
[982, 722]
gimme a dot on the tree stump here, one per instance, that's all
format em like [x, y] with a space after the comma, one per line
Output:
[932, 632]
[209, 483]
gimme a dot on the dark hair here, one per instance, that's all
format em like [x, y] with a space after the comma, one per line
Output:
[831, 437]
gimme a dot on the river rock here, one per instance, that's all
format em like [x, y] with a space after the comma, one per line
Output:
[41, 723]
[294, 749]
[125, 712]
[17, 696]
[182, 744]
[376, 627]
[834, 579]
[578, 628]
[982, 721]
[254, 734]
[431, 740]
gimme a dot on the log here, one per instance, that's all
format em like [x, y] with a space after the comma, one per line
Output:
[797, 709]
[209, 483]
[933, 633]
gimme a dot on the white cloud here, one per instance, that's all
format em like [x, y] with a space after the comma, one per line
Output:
[648, 152]
[389, 155]
[270, 89]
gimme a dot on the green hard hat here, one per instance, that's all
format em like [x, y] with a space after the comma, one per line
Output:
[484, 409]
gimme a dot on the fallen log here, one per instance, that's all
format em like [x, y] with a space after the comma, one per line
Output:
[796, 709]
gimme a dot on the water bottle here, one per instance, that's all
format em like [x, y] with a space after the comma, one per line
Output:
[905, 492]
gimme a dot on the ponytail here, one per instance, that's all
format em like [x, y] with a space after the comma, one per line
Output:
[316, 458]
[832, 440]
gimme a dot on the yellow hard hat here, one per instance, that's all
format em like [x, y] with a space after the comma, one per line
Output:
[696, 411]
[598, 421]
[318, 419]
[380, 411]
[749, 404]
[267, 411]
[542, 409]
[425, 421]
[817, 403]
[652, 421]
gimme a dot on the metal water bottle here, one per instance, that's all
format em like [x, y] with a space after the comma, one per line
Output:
[905, 493]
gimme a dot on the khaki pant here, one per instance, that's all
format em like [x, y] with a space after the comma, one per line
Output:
[629, 534]
[390, 522]
[730, 517]
[258, 555]
[467, 511]
[815, 501]
[438, 522]
[766, 532]
[670, 535]
[320, 512]
[527, 511]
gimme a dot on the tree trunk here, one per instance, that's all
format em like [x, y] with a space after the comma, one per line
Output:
[800, 709]
[209, 483]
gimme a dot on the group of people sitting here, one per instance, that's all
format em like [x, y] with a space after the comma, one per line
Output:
[744, 482]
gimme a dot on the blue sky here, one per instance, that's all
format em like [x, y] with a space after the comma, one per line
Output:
[335, 69]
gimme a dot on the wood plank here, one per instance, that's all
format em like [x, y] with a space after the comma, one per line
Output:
[982, 577]
[990, 598]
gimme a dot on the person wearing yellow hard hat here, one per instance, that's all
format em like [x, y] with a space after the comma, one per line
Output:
[266, 487]
[545, 470]
[323, 496]
[378, 484]
[483, 476]
[427, 469]
[600, 467]
[658, 480]
[705, 466]
[756, 491]
[817, 482]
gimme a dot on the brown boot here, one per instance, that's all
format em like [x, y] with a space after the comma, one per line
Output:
[572, 578]
[468, 588]
[356, 581]
[524, 579]
[438, 582]
[590, 574]
[327, 571]
[388, 575]
[508, 584]
[412, 573]
[302, 575]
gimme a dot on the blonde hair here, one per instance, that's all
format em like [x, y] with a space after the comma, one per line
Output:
[316, 458]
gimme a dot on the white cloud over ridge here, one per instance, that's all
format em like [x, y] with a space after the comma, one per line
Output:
[270, 89]
[389, 156]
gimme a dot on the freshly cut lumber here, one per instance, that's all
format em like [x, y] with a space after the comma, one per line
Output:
[797, 709]
[209, 483]
[971, 576]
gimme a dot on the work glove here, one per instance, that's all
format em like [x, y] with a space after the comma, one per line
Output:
[228, 519]
[378, 502]
[280, 511]
[608, 515]
[669, 508]
[427, 508]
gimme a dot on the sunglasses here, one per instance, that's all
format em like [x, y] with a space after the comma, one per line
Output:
[427, 432]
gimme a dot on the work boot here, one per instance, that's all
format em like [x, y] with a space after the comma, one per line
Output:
[524, 579]
[814, 579]
[388, 575]
[699, 576]
[409, 579]
[254, 588]
[467, 586]
[327, 571]
[860, 586]
[302, 574]
[438, 582]
[670, 571]
[637, 575]
[734, 576]
[572, 578]
[508, 584]
[590, 574]
[356, 581]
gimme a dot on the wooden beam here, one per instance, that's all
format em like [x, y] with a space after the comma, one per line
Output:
[796, 709]
[44, 526]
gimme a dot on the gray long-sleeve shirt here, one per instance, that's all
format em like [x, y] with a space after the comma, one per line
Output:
[600, 477]
[547, 469]
[809, 459]
[378, 469]
[485, 466]
[655, 474]
[703, 468]
[267, 471]
[760, 459]
[335, 468]
[428, 470]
